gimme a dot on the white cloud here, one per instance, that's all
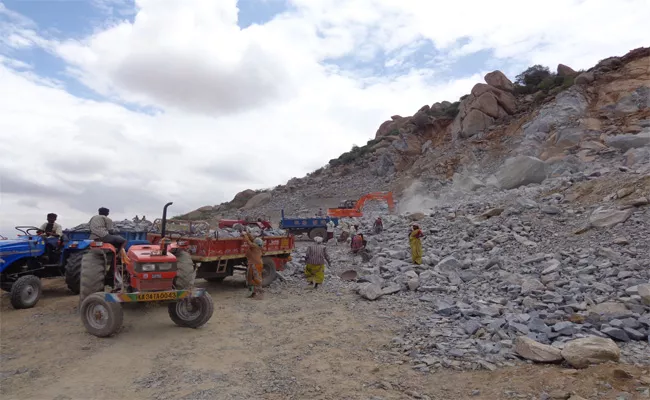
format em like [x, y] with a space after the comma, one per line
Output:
[253, 107]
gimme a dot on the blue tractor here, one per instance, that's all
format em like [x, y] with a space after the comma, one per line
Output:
[316, 226]
[31, 256]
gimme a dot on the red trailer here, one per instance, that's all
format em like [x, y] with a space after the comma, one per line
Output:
[218, 258]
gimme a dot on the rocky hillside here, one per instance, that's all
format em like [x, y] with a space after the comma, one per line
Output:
[565, 122]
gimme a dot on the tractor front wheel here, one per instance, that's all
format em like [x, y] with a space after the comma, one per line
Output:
[192, 312]
[100, 317]
[26, 291]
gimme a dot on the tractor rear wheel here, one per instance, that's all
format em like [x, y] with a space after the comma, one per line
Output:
[185, 270]
[73, 271]
[192, 312]
[93, 273]
[318, 232]
[100, 317]
[26, 291]
[268, 273]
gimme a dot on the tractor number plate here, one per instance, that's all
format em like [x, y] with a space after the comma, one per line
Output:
[155, 296]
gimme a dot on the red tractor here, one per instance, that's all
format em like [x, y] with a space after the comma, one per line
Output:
[163, 272]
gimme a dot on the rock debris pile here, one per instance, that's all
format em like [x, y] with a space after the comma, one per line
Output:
[505, 276]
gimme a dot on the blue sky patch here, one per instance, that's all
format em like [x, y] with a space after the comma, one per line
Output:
[259, 11]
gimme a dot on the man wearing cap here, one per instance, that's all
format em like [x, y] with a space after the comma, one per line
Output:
[101, 229]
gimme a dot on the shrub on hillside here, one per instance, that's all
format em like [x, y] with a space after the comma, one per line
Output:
[533, 75]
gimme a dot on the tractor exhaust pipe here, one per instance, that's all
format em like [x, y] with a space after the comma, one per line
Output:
[163, 228]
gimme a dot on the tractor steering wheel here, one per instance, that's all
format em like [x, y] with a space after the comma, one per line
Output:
[26, 229]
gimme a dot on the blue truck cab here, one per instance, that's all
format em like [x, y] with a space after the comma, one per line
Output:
[315, 226]
[30, 257]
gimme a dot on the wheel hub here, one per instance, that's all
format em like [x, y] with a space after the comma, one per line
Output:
[28, 294]
[187, 309]
[97, 316]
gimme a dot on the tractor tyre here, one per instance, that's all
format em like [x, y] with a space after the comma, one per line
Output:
[192, 312]
[215, 279]
[318, 232]
[73, 271]
[100, 317]
[268, 273]
[26, 291]
[93, 273]
[185, 273]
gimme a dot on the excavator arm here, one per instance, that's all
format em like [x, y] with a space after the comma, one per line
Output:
[357, 210]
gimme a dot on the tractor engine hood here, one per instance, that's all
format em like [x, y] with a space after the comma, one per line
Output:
[14, 245]
[143, 254]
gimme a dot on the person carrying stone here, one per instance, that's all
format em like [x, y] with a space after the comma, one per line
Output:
[255, 267]
[315, 259]
[101, 228]
[416, 244]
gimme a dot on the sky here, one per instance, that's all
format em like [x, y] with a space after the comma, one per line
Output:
[129, 104]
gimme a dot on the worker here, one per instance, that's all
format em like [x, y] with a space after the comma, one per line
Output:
[315, 263]
[101, 229]
[330, 230]
[416, 244]
[378, 226]
[358, 246]
[136, 219]
[51, 227]
[320, 212]
[255, 267]
[345, 232]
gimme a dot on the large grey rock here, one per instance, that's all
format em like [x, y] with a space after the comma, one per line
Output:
[584, 78]
[535, 351]
[499, 81]
[521, 171]
[581, 353]
[606, 218]
[467, 182]
[629, 141]
[370, 291]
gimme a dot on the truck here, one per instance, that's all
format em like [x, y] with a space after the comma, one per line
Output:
[352, 208]
[314, 226]
[30, 257]
[219, 257]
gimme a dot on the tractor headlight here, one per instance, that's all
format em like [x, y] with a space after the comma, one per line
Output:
[148, 267]
[164, 266]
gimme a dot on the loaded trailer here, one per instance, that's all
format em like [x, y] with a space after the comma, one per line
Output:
[218, 258]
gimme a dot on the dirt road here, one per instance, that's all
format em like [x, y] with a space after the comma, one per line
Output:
[295, 344]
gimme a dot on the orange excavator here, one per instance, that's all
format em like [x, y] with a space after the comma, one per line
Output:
[351, 208]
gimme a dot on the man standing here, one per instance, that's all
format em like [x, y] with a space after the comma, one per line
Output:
[330, 230]
[315, 262]
[51, 228]
[378, 226]
[320, 213]
[101, 228]
[255, 266]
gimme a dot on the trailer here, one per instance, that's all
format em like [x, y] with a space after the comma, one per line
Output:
[316, 226]
[218, 258]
